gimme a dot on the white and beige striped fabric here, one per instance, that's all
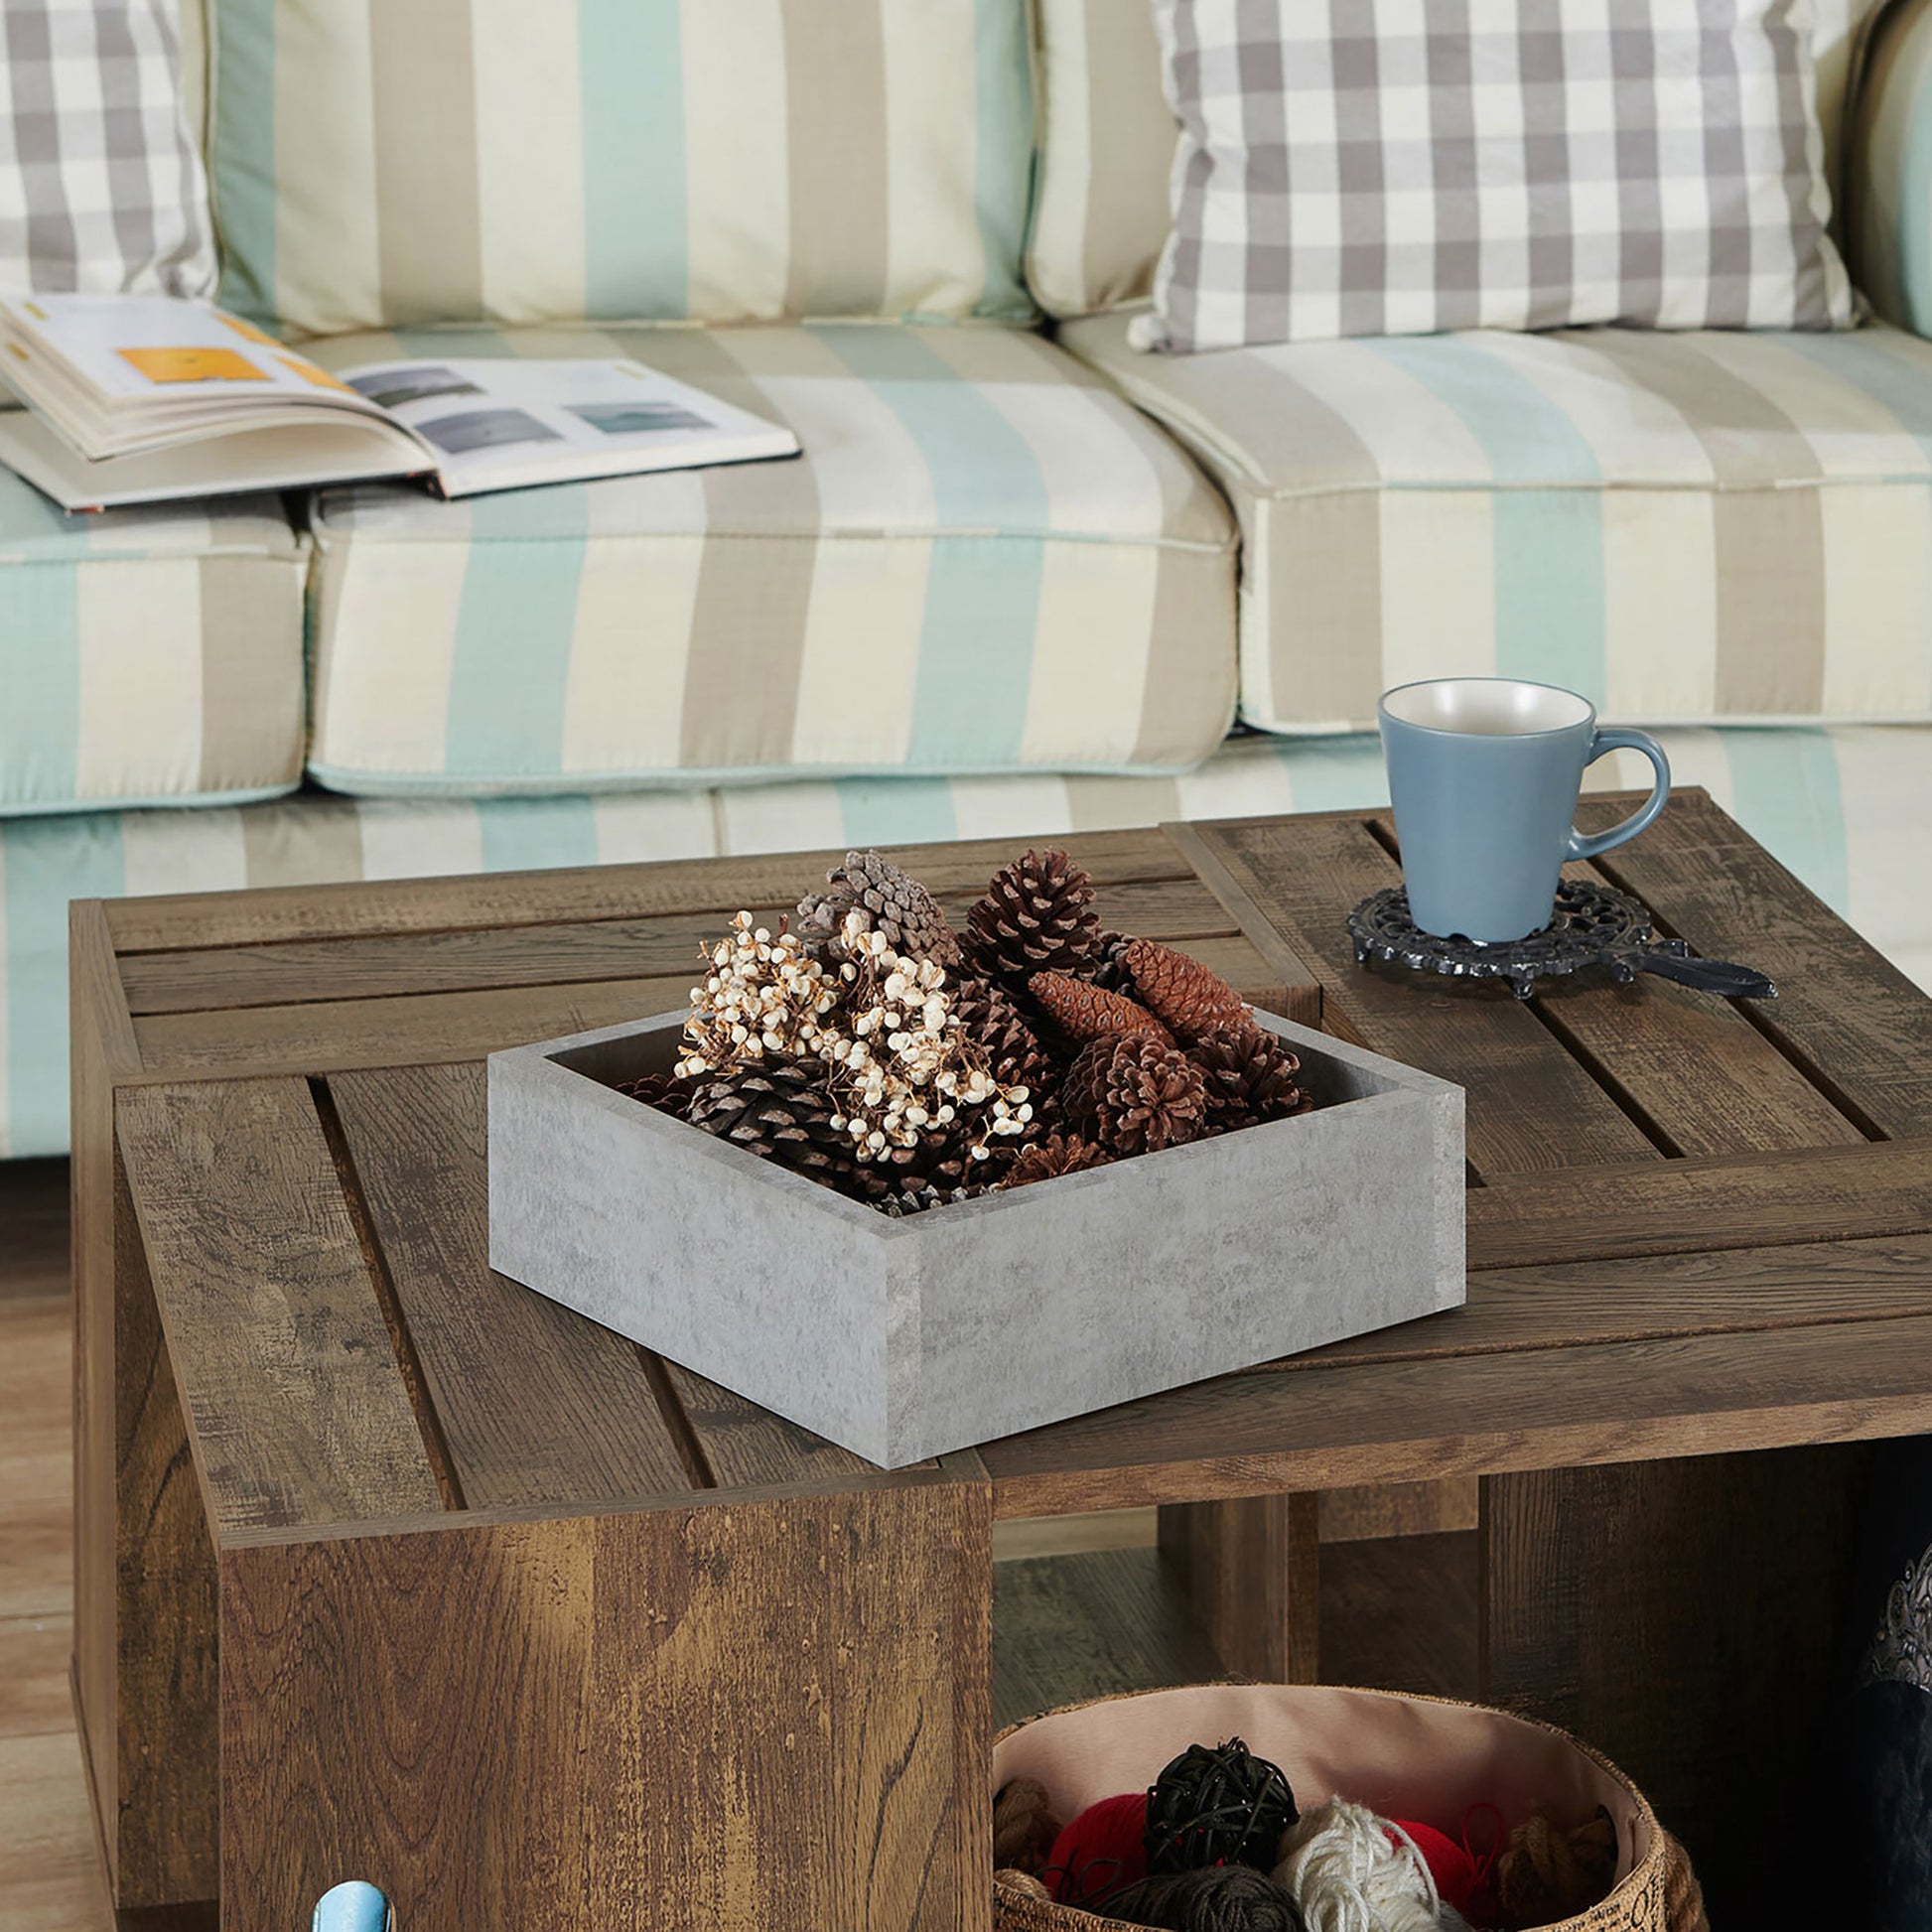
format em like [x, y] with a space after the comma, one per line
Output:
[985, 560]
[1845, 809]
[1101, 209]
[147, 655]
[1686, 527]
[483, 160]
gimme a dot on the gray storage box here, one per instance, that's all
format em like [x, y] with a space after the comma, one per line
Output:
[904, 1338]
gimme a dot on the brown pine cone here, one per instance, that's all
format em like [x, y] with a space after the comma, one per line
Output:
[890, 901]
[780, 1110]
[1048, 1160]
[1037, 915]
[1134, 1094]
[1106, 965]
[989, 1016]
[1250, 1076]
[1085, 1012]
[937, 1160]
[669, 1093]
[1189, 998]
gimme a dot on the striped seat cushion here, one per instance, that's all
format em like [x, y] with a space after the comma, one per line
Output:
[375, 166]
[1684, 528]
[985, 560]
[1843, 808]
[147, 655]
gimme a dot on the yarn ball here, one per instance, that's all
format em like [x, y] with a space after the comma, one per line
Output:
[1352, 1871]
[1224, 1806]
[1211, 1898]
[1448, 1862]
[1023, 1882]
[1545, 1873]
[1024, 1825]
[1100, 1850]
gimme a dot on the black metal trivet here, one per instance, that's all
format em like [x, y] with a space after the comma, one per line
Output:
[1594, 925]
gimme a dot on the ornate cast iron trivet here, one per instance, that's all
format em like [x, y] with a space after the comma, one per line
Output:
[1594, 927]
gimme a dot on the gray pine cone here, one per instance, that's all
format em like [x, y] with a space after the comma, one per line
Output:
[891, 901]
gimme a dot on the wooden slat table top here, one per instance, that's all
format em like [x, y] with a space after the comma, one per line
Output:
[1694, 1226]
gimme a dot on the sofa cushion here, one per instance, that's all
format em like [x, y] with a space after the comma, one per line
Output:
[101, 187]
[1686, 527]
[985, 560]
[147, 655]
[382, 165]
[1101, 211]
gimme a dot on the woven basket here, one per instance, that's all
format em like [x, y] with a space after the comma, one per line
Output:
[1403, 1756]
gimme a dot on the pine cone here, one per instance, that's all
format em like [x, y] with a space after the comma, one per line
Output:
[915, 1201]
[939, 1162]
[991, 1018]
[1189, 998]
[1250, 1076]
[780, 1110]
[891, 902]
[1086, 1012]
[1106, 965]
[669, 1093]
[1048, 1160]
[1135, 1095]
[1037, 915]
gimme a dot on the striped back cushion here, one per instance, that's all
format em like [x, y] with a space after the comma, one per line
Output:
[1107, 144]
[495, 160]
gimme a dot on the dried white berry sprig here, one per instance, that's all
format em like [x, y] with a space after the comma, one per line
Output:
[903, 1068]
[765, 994]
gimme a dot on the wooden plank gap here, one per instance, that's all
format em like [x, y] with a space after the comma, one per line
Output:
[435, 1447]
[1592, 1065]
[1763, 1016]
[691, 1452]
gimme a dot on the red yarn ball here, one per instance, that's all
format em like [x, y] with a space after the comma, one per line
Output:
[1101, 1851]
[1448, 1862]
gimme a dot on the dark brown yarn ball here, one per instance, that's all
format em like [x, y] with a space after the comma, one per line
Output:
[1215, 1899]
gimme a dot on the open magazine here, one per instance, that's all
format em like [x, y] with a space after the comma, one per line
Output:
[141, 399]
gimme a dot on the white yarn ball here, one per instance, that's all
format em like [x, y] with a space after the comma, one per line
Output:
[1352, 1871]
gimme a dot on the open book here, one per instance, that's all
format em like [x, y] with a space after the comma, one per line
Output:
[140, 399]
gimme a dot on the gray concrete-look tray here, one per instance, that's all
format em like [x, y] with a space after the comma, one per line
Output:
[905, 1338]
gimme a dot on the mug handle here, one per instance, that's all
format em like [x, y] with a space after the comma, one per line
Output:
[1588, 846]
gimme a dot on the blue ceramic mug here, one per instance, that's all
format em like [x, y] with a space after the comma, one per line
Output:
[1484, 774]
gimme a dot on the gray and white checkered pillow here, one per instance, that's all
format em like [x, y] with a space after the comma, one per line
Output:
[102, 191]
[1401, 167]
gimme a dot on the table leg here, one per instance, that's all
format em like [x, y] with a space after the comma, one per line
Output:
[1252, 1572]
[1682, 1617]
[144, 1570]
[730, 1713]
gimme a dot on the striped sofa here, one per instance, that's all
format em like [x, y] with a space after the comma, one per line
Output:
[1023, 579]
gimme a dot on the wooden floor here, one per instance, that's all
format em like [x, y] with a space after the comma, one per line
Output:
[1081, 1605]
[48, 1876]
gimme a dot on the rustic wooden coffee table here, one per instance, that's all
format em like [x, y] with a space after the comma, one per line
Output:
[388, 1567]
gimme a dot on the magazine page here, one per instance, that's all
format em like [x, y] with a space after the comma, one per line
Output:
[161, 351]
[511, 419]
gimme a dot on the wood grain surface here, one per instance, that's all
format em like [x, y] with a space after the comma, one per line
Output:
[665, 890]
[297, 1410]
[1684, 1617]
[533, 1402]
[1530, 1104]
[736, 1714]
